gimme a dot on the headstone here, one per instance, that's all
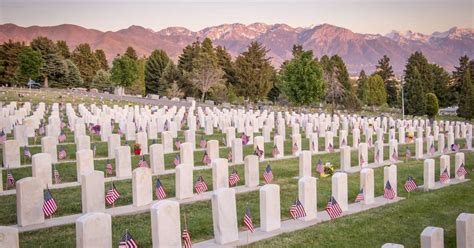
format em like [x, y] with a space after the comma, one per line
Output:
[83, 142]
[93, 192]
[19, 132]
[237, 151]
[329, 141]
[441, 143]
[123, 161]
[251, 171]
[142, 139]
[9, 237]
[345, 158]
[363, 155]
[393, 150]
[458, 161]
[165, 224]
[307, 195]
[84, 162]
[391, 245]
[445, 163]
[41, 168]
[94, 230]
[167, 141]
[401, 134]
[11, 154]
[278, 142]
[186, 153]
[314, 143]
[29, 201]
[212, 149]
[270, 207]
[190, 136]
[184, 181]
[428, 174]
[260, 143]
[305, 164]
[220, 173]
[230, 135]
[367, 185]
[224, 216]
[142, 186]
[378, 152]
[157, 158]
[419, 148]
[432, 237]
[296, 140]
[339, 189]
[390, 174]
[355, 137]
[266, 130]
[112, 143]
[465, 230]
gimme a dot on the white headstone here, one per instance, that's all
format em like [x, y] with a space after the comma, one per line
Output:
[367, 185]
[123, 161]
[307, 195]
[270, 207]
[94, 230]
[93, 192]
[157, 158]
[432, 237]
[251, 171]
[428, 174]
[224, 216]
[339, 189]
[165, 224]
[184, 181]
[29, 201]
[465, 230]
[142, 186]
[41, 168]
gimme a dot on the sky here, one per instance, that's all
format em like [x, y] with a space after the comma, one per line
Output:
[362, 16]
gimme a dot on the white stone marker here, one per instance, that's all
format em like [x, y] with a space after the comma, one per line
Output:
[465, 230]
[266, 130]
[339, 189]
[41, 168]
[278, 142]
[123, 161]
[296, 140]
[167, 141]
[390, 174]
[270, 207]
[29, 201]
[259, 142]
[237, 151]
[355, 137]
[83, 142]
[142, 139]
[186, 153]
[190, 136]
[393, 151]
[9, 237]
[314, 143]
[441, 143]
[345, 158]
[19, 132]
[212, 149]
[445, 163]
[305, 163]
[428, 174]
[363, 155]
[224, 216]
[329, 141]
[142, 186]
[157, 158]
[84, 162]
[450, 139]
[419, 148]
[165, 224]
[251, 171]
[230, 136]
[112, 143]
[93, 192]
[458, 160]
[367, 185]
[378, 152]
[343, 138]
[11, 154]
[220, 173]
[94, 230]
[184, 181]
[391, 245]
[432, 237]
[308, 197]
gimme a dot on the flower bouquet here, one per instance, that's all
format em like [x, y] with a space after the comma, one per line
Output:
[328, 170]
[137, 149]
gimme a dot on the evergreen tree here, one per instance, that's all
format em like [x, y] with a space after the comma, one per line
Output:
[185, 65]
[102, 81]
[138, 86]
[171, 76]
[361, 81]
[85, 60]
[417, 60]
[466, 97]
[100, 56]
[254, 72]
[124, 71]
[432, 106]
[51, 59]
[9, 61]
[415, 103]
[441, 81]
[297, 50]
[131, 53]
[375, 94]
[384, 69]
[301, 79]
[458, 77]
[63, 49]
[30, 64]
[225, 62]
[154, 70]
[73, 76]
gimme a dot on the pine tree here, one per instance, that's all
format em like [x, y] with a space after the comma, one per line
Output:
[224, 59]
[171, 75]
[9, 61]
[385, 71]
[441, 81]
[361, 81]
[102, 81]
[432, 106]
[54, 70]
[100, 56]
[63, 49]
[51, 58]
[466, 97]
[254, 72]
[154, 70]
[30, 65]
[458, 77]
[417, 60]
[85, 60]
[375, 91]
[185, 65]
[138, 86]
[73, 76]
[415, 103]
[131, 53]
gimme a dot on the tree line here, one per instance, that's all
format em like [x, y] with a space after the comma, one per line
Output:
[206, 71]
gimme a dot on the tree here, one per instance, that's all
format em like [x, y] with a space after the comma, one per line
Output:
[432, 105]
[361, 81]
[124, 71]
[30, 64]
[466, 97]
[154, 69]
[301, 79]
[9, 61]
[458, 78]
[102, 80]
[53, 67]
[73, 75]
[63, 49]
[417, 60]
[334, 89]
[414, 93]
[254, 72]
[185, 65]
[206, 73]
[441, 87]
[171, 75]
[86, 62]
[131, 53]
[174, 91]
[384, 69]
[225, 62]
[375, 91]
[100, 56]
[138, 86]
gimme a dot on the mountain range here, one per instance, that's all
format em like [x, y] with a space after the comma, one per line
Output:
[359, 51]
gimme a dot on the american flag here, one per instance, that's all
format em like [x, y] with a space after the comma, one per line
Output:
[275, 151]
[360, 196]
[333, 209]
[394, 154]
[3, 137]
[159, 190]
[461, 170]
[320, 167]
[27, 152]
[186, 239]
[57, 177]
[294, 149]
[330, 148]
[297, 210]
[234, 178]
[62, 153]
[444, 178]
[410, 184]
[142, 162]
[361, 160]
[127, 241]
[248, 220]
[108, 168]
[388, 192]
[112, 195]
[177, 160]
[245, 139]
[432, 149]
[49, 204]
[10, 178]
[200, 185]
[268, 174]
[258, 152]
[203, 143]
[177, 144]
[206, 159]
[229, 155]
[62, 137]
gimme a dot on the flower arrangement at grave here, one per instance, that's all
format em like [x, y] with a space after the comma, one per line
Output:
[328, 170]
[137, 149]
[410, 136]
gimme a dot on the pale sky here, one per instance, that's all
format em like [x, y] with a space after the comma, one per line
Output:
[362, 16]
